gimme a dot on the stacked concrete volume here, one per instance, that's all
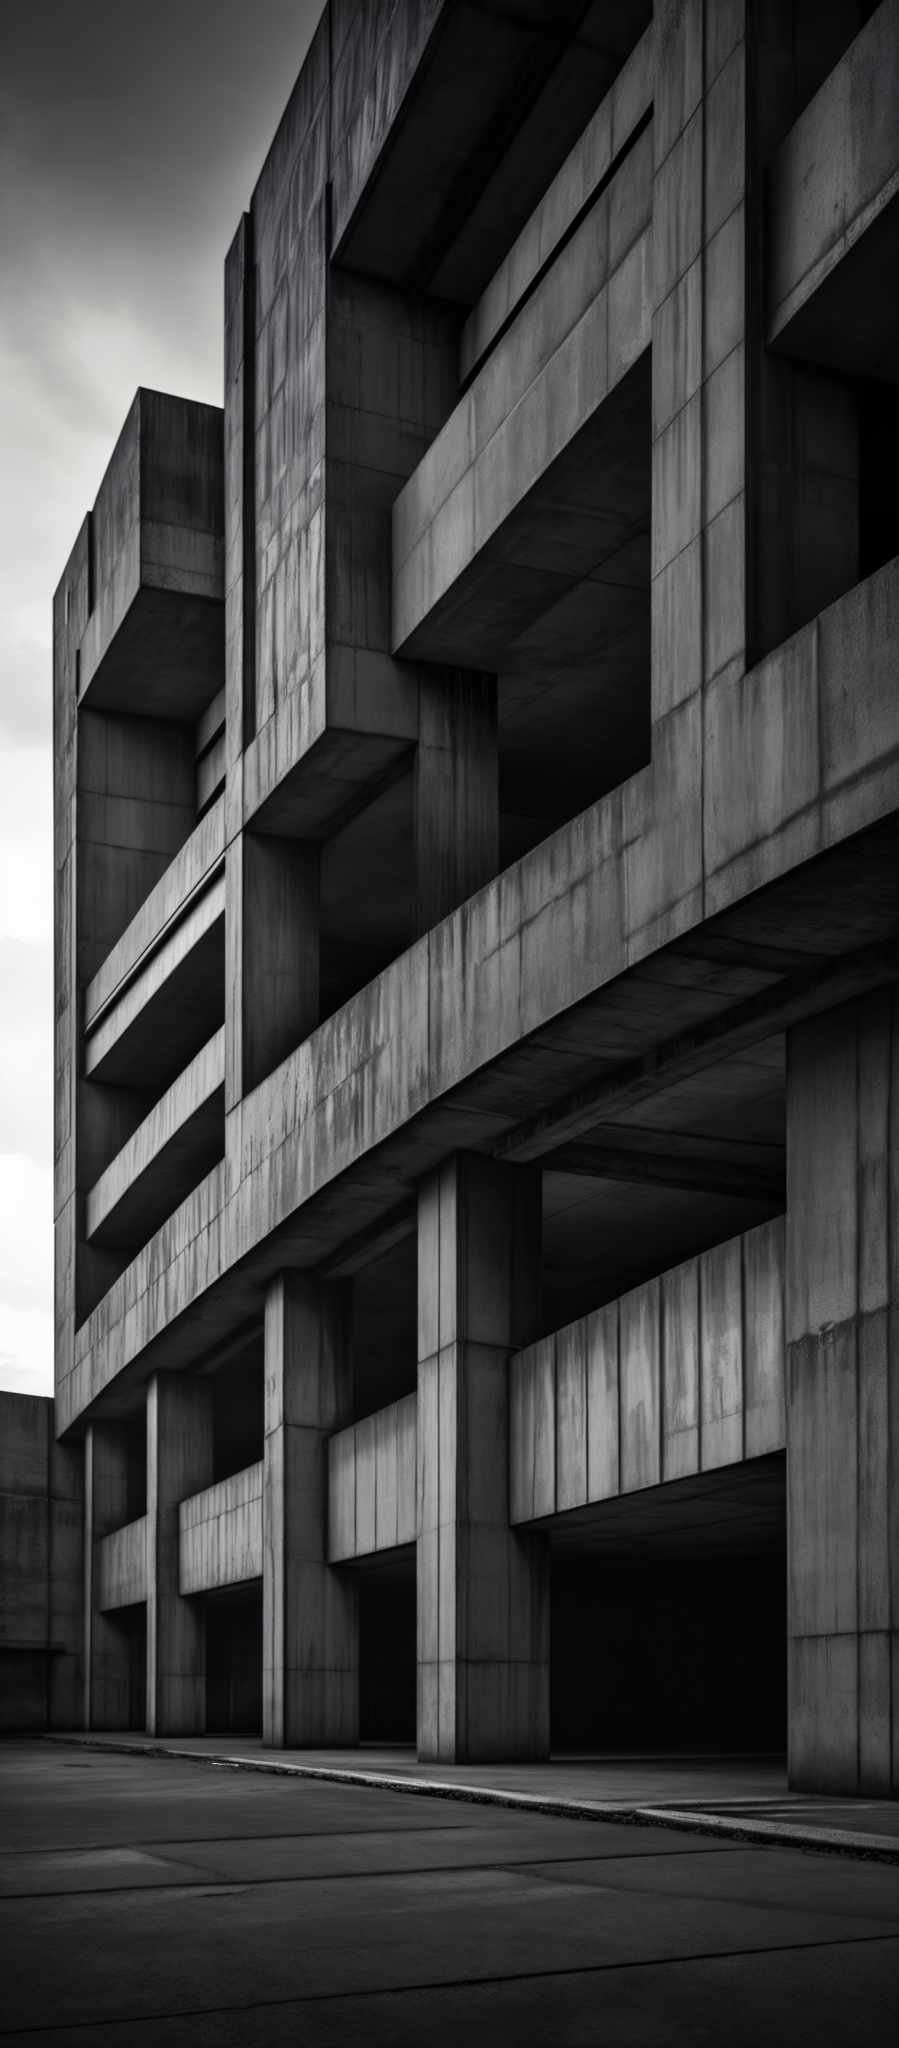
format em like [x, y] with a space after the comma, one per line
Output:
[477, 865]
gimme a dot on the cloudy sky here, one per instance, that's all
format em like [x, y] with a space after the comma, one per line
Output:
[130, 138]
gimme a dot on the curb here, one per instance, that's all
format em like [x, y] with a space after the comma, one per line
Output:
[688, 1820]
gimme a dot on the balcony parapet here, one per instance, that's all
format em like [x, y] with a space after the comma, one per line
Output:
[592, 1414]
[164, 1158]
[220, 1533]
[371, 1483]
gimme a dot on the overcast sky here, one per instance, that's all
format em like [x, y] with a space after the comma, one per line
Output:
[130, 139]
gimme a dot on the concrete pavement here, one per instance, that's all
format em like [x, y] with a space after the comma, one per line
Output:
[148, 1901]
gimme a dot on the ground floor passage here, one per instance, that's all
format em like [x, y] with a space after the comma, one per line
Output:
[675, 1642]
[147, 1902]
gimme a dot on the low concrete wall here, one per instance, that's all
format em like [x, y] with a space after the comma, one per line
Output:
[838, 167]
[41, 1513]
[220, 1533]
[371, 1490]
[120, 1567]
[168, 902]
[682, 1375]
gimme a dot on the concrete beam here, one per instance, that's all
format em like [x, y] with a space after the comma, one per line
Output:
[371, 1483]
[660, 1159]
[220, 1534]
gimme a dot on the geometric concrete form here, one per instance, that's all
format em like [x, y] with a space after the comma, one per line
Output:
[477, 816]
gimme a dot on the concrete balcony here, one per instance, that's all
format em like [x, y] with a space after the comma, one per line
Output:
[593, 1415]
[120, 1567]
[161, 990]
[154, 642]
[371, 1483]
[833, 199]
[174, 1148]
[533, 491]
[220, 1534]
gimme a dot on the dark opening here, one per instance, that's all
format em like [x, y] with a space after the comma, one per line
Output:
[385, 1327]
[669, 1656]
[387, 1671]
[238, 1419]
[234, 1660]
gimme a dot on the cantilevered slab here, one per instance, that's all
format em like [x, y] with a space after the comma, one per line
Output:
[154, 643]
[166, 1156]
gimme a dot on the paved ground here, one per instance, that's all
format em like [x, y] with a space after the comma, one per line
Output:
[157, 1901]
[726, 1794]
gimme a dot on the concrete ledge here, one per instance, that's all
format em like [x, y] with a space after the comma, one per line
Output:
[187, 963]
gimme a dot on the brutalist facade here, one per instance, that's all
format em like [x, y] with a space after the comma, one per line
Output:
[477, 849]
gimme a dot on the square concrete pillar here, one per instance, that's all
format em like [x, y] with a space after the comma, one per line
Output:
[108, 1503]
[310, 1625]
[179, 1463]
[456, 791]
[483, 1589]
[842, 1362]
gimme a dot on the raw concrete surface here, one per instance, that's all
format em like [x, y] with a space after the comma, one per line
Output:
[151, 1900]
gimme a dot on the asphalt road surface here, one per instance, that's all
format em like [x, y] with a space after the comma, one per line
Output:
[148, 1901]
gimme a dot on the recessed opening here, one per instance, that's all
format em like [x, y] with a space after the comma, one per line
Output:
[238, 1411]
[385, 1327]
[669, 1622]
[234, 1660]
[387, 1652]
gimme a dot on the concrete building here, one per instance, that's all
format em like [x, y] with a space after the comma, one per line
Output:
[477, 847]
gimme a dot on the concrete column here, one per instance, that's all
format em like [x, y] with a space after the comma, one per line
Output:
[310, 1645]
[483, 1590]
[107, 1505]
[272, 927]
[179, 1463]
[456, 791]
[842, 1359]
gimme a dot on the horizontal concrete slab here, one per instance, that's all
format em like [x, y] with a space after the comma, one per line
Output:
[220, 1533]
[120, 1566]
[371, 1483]
[170, 1151]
